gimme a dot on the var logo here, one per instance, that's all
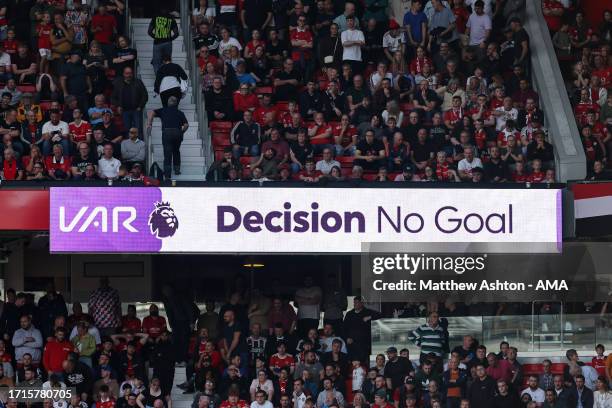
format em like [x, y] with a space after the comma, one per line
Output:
[98, 218]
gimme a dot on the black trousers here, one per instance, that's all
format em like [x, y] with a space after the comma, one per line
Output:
[171, 142]
[165, 95]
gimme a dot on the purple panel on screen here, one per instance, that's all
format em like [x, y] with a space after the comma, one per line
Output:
[102, 219]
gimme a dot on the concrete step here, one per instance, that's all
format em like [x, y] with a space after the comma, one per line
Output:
[158, 156]
[186, 151]
[145, 44]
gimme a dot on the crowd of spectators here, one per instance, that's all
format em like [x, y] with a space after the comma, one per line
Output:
[583, 51]
[427, 90]
[71, 105]
[262, 351]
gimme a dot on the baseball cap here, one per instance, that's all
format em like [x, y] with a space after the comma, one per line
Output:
[393, 349]
[407, 169]
[393, 24]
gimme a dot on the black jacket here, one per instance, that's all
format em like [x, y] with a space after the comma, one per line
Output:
[140, 96]
[481, 393]
[169, 69]
[220, 102]
[587, 397]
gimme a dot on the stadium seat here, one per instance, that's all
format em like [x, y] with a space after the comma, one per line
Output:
[220, 125]
[27, 88]
[529, 369]
[557, 368]
[263, 90]
[220, 140]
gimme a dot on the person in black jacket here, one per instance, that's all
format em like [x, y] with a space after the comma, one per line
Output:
[580, 393]
[168, 80]
[129, 104]
[77, 375]
[219, 102]
[51, 306]
[162, 360]
[505, 398]
[482, 391]
[311, 101]
[131, 363]
[357, 328]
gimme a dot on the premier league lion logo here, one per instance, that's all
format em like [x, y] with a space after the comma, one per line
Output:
[162, 221]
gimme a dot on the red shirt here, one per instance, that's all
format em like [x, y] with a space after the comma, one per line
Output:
[251, 46]
[314, 174]
[245, 102]
[347, 137]
[277, 362]
[106, 404]
[461, 17]
[131, 324]
[502, 371]
[553, 22]
[496, 103]
[154, 325]
[259, 115]
[44, 36]
[10, 46]
[442, 171]
[520, 178]
[305, 35]
[320, 131]
[537, 177]
[481, 139]
[11, 169]
[581, 110]
[52, 165]
[79, 133]
[287, 120]
[55, 353]
[453, 115]
[108, 25]
[599, 364]
[502, 137]
[202, 62]
[605, 74]
[239, 404]
[416, 65]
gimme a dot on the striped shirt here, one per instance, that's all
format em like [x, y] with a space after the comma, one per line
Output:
[429, 339]
[105, 308]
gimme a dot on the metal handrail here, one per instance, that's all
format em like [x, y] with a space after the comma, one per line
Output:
[196, 83]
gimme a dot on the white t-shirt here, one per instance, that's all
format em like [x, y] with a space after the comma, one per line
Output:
[309, 311]
[232, 42]
[5, 59]
[210, 12]
[467, 166]
[376, 79]
[325, 167]
[108, 168]
[537, 395]
[478, 26]
[393, 43]
[351, 52]
[358, 376]
[61, 126]
[266, 404]
[500, 121]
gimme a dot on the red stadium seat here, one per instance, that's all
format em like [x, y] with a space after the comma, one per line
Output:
[369, 176]
[27, 88]
[282, 106]
[220, 125]
[220, 140]
[557, 368]
[263, 90]
[45, 105]
[406, 107]
[345, 161]
[529, 369]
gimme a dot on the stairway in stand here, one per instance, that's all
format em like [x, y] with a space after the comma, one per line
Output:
[180, 400]
[192, 156]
